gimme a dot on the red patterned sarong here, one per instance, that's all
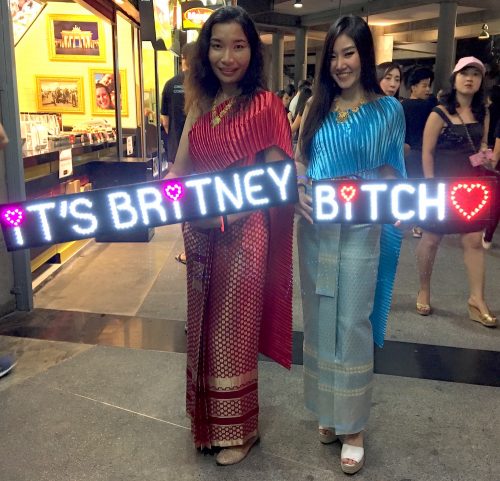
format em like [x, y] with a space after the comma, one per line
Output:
[239, 283]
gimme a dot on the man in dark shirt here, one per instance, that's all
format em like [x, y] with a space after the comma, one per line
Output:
[172, 106]
[172, 113]
[417, 108]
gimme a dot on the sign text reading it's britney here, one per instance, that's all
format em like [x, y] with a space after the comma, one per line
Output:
[412, 201]
[125, 209]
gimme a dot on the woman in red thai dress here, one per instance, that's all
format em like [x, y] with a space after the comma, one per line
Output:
[239, 268]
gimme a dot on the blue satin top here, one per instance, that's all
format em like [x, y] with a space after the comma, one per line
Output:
[368, 139]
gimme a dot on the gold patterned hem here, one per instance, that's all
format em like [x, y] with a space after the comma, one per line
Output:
[235, 382]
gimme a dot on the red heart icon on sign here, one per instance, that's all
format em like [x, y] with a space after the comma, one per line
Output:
[469, 199]
[348, 192]
[174, 191]
[13, 217]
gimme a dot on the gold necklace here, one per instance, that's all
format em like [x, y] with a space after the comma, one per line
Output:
[343, 115]
[216, 118]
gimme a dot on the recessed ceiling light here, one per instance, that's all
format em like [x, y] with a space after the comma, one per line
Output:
[298, 4]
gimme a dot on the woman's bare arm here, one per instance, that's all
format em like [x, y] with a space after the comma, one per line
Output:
[304, 206]
[433, 128]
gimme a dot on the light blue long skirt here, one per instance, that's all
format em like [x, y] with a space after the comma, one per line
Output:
[338, 274]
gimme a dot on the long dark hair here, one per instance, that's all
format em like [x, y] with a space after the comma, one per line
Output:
[201, 84]
[384, 68]
[304, 96]
[450, 102]
[325, 88]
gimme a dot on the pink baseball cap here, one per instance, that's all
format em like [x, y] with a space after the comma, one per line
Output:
[470, 62]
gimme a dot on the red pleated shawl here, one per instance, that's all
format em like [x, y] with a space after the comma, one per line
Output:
[236, 141]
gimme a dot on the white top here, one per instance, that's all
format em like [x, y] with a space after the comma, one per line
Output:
[293, 104]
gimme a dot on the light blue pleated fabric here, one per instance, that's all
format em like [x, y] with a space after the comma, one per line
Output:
[347, 271]
[369, 139]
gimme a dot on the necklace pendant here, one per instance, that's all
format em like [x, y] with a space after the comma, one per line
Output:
[215, 121]
[342, 116]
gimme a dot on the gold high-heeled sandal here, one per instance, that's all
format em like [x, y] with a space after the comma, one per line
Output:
[487, 320]
[423, 309]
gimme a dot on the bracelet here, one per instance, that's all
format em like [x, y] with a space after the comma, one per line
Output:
[223, 223]
[301, 184]
[302, 177]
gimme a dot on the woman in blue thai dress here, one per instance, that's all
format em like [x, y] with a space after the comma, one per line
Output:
[350, 130]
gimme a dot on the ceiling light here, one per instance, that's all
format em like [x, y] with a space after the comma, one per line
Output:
[298, 4]
[484, 35]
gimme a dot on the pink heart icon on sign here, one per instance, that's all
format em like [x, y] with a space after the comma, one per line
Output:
[174, 191]
[13, 217]
[348, 192]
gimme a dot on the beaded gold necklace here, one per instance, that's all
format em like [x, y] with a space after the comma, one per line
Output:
[216, 118]
[343, 115]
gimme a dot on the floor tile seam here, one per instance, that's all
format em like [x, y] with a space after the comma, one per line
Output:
[114, 406]
[163, 351]
[295, 462]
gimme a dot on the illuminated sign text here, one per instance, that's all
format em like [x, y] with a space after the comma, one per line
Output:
[411, 200]
[150, 204]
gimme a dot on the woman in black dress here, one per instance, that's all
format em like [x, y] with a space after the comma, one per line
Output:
[455, 130]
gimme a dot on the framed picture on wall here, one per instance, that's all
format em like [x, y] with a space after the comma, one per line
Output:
[76, 38]
[103, 92]
[60, 94]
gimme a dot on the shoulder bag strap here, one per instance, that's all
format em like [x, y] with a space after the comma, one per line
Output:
[438, 111]
[468, 134]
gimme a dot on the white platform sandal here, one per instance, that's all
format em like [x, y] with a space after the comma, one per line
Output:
[355, 453]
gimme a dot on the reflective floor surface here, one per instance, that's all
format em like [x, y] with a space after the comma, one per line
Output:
[397, 358]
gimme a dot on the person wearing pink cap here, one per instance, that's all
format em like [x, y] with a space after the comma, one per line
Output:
[456, 130]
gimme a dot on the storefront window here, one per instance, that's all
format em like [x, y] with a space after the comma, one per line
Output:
[60, 101]
[131, 119]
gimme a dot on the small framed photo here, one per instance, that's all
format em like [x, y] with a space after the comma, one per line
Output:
[103, 92]
[77, 38]
[60, 94]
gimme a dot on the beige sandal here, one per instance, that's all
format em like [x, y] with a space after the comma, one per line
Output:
[326, 435]
[236, 454]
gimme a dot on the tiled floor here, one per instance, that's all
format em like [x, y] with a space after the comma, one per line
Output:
[107, 413]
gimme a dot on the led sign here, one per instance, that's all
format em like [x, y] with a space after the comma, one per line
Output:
[89, 214]
[415, 200]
